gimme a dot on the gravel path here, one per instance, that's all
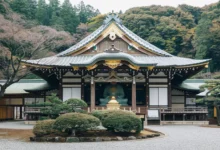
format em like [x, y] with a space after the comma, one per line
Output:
[176, 138]
[15, 125]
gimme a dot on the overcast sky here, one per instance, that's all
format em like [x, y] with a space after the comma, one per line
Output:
[106, 6]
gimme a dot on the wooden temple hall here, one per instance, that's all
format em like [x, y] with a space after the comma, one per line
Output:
[114, 62]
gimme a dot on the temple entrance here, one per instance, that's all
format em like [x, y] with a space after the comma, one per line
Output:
[122, 92]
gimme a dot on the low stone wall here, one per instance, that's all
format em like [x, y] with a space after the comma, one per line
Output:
[184, 122]
[90, 139]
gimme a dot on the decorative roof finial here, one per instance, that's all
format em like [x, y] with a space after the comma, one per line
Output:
[112, 16]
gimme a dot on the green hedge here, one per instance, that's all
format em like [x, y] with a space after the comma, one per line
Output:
[103, 114]
[121, 121]
[76, 121]
[76, 105]
[45, 127]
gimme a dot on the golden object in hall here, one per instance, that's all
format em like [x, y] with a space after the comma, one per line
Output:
[113, 104]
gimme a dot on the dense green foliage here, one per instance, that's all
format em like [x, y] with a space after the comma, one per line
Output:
[118, 120]
[207, 37]
[76, 121]
[121, 121]
[54, 107]
[75, 104]
[60, 16]
[214, 90]
[102, 114]
[45, 127]
[212, 98]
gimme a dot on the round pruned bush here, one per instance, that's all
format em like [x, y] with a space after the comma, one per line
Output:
[45, 127]
[76, 122]
[76, 104]
[122, 121]
[103, 114]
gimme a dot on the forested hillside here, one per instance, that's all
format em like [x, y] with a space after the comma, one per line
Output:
[184, 31]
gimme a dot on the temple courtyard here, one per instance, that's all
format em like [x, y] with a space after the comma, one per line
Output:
[176, 137]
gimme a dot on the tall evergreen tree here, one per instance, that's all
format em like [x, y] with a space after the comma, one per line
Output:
[86, 12]
[207, 37]
[82, 12]
[31, 9]
[70, 19]
[42, 13]
[19, 6]
[53, 10]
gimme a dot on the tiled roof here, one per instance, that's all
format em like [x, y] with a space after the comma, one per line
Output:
[24, 86]
[113, 18]
[165, 59]
[140, 60]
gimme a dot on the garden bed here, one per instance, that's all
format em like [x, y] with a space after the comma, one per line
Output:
[93, 136]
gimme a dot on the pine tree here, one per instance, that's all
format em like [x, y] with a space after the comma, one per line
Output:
[82, 12]
[42, 13]
[53, 10]
[19, 6]
[31, 9]
[70, 19]
[86, 12]
[57, 22]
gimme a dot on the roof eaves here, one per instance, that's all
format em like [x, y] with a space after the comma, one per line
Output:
[141, 41]
[84, 41]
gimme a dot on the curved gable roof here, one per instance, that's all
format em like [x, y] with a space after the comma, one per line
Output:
[113, 18]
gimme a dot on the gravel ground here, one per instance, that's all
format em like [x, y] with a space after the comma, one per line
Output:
[15, 125]
[176, 138]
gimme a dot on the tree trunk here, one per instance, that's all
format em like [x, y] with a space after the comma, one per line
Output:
[2, 92]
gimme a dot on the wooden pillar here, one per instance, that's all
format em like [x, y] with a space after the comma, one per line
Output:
[60, 89]
[82, 88]
[20, 112]
[164, 115]
[147, 88]
[133, 94]
[169, 90]
[92, 104]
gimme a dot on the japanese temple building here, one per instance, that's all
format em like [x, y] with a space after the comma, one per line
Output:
[114, 61]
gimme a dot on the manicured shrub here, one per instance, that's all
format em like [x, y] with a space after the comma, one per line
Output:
[44, 118]
[76, 105]
[101, 114]
[44, 127]
[75, 122]
[121, 121]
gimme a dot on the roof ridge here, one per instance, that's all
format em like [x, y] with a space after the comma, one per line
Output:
[110, 17]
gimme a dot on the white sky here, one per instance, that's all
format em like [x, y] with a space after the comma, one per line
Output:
[106, 6]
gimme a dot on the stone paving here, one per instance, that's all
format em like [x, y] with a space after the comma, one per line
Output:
[177, 138]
